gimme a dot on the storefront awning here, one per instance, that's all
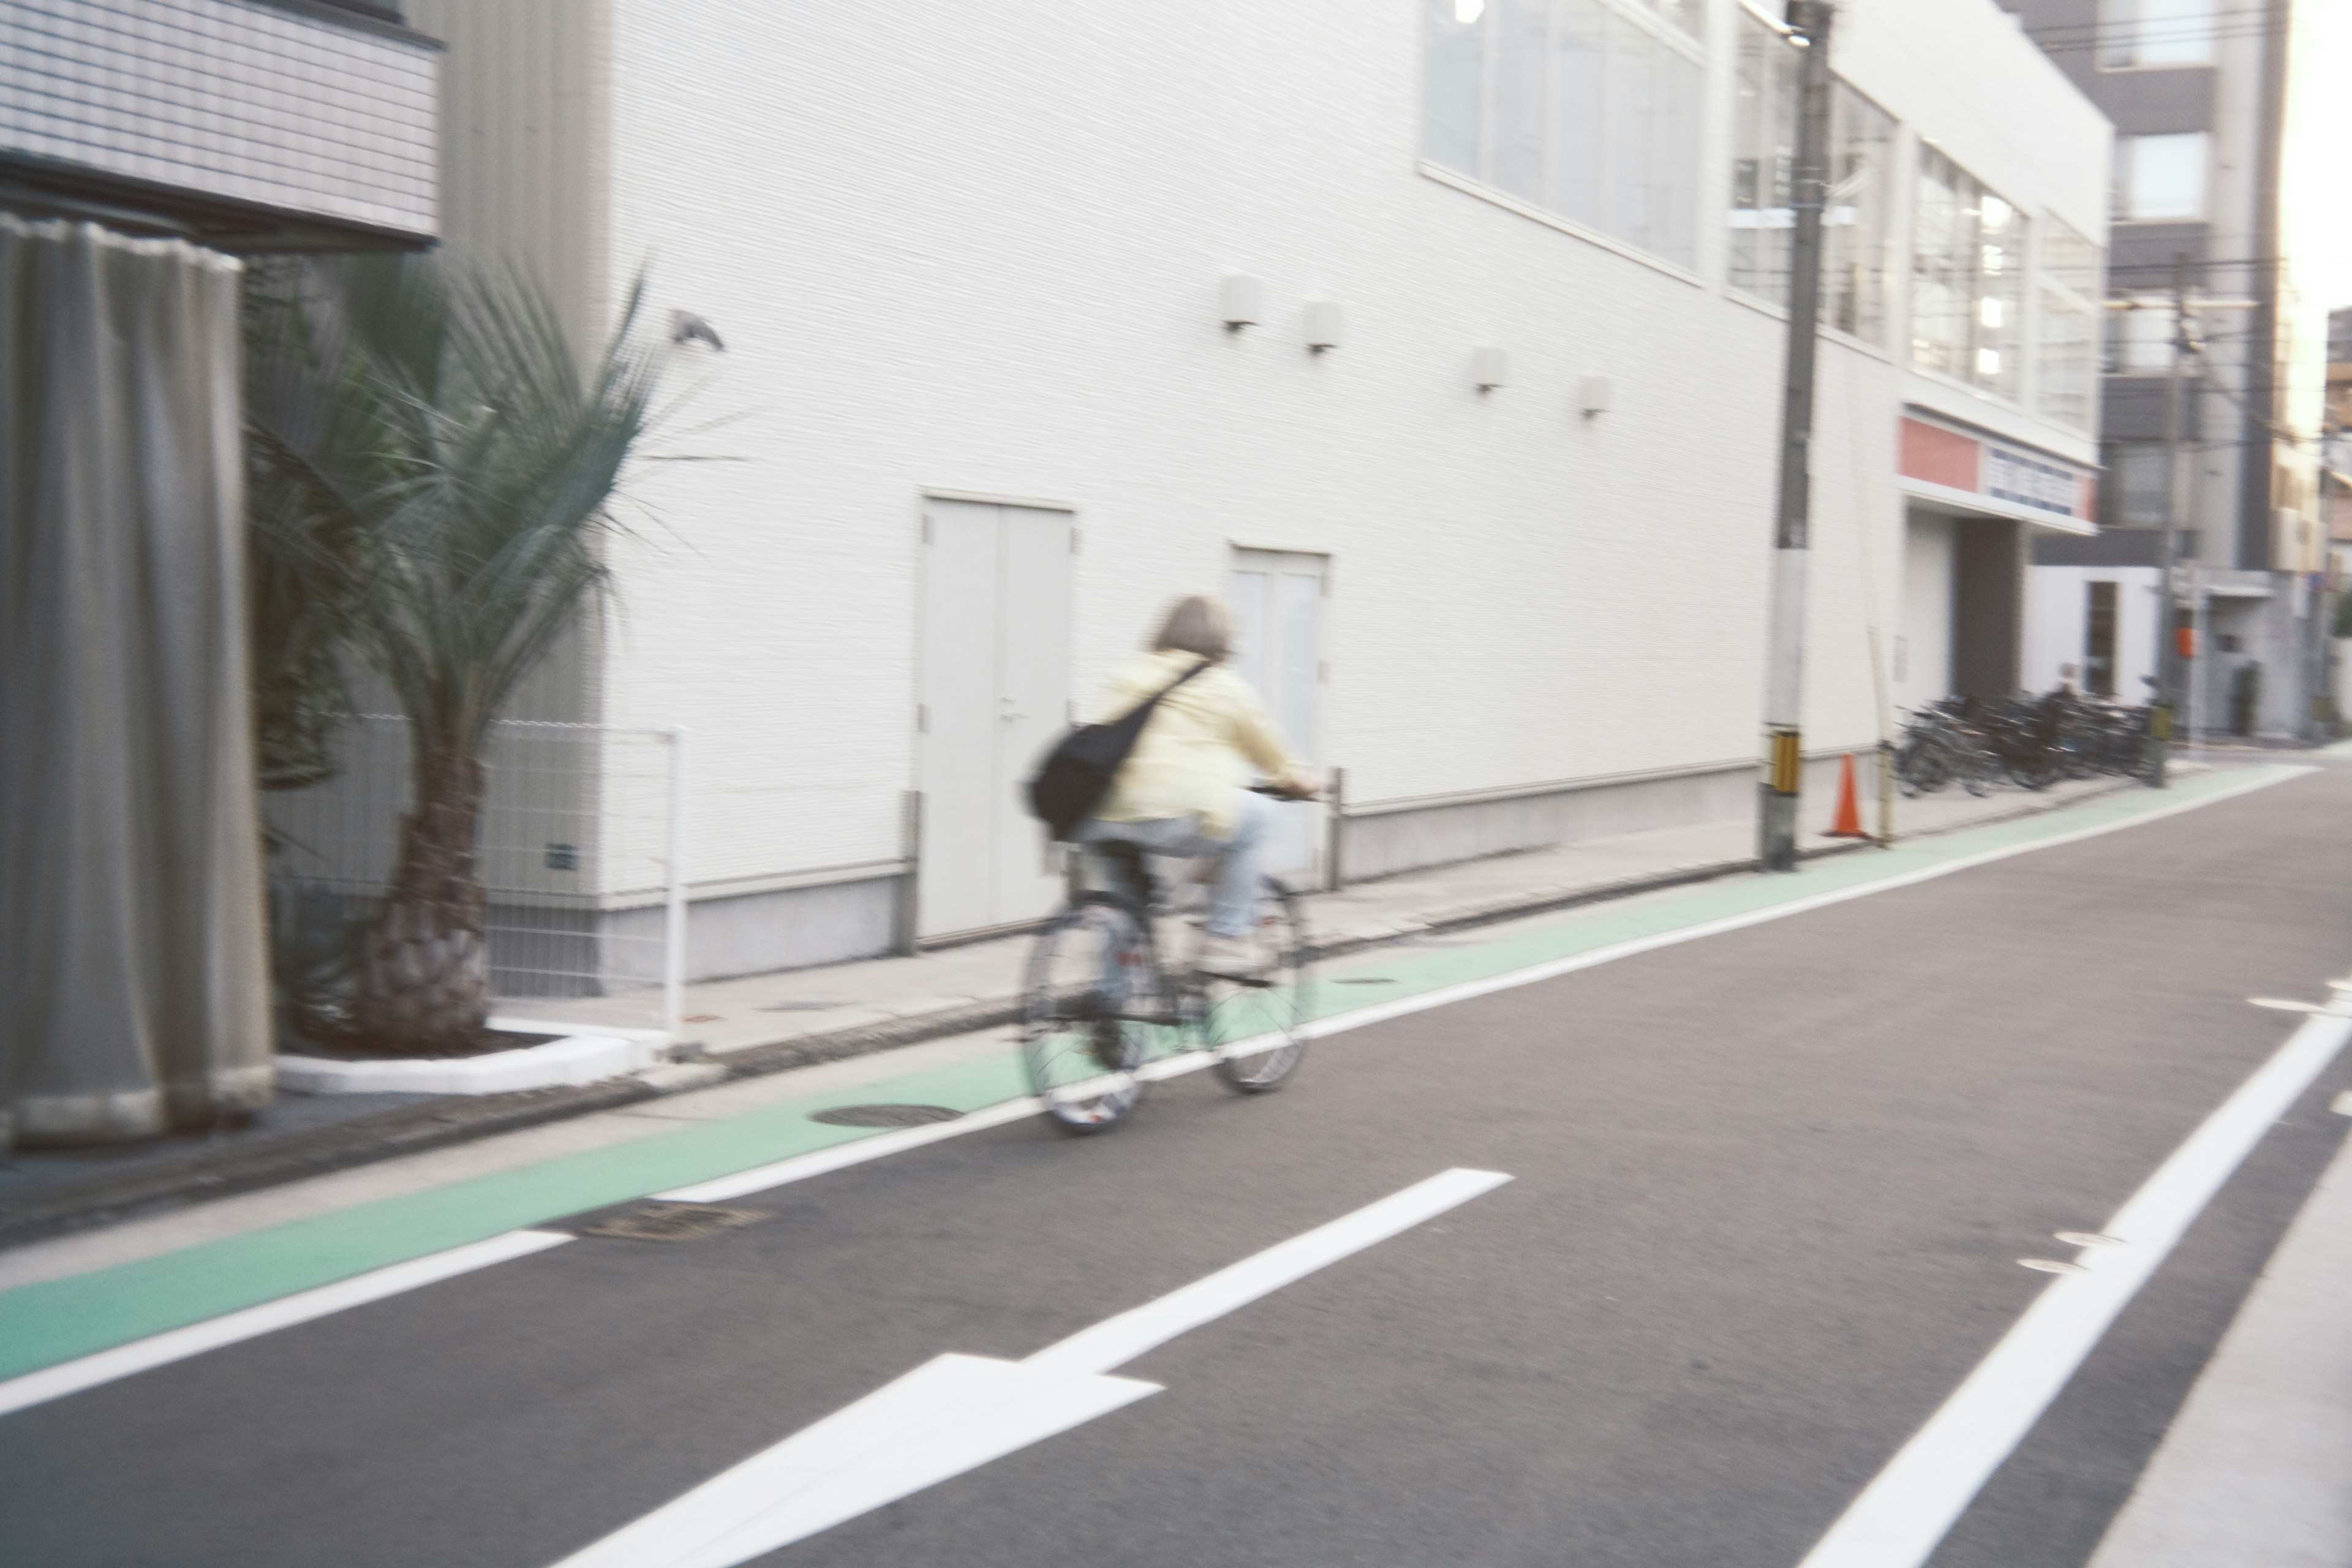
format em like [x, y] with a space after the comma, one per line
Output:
[1970, 503]
[1971, 474]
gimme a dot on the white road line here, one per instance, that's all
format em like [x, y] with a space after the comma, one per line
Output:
[1903, 1514]
[802, 1168]
[841, 1156]
[955, 1413]
[1117, 1340]
[89, 1371]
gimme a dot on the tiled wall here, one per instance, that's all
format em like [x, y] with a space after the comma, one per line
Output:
[230, 100]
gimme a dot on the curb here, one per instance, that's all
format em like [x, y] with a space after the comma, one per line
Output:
[206, 1174]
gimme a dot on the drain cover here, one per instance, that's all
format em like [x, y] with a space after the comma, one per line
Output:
[1365, 980]
[884, 1115]
[670, 1222]
[809, 1007]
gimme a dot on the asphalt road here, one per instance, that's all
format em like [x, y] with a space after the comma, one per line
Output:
[1768, 1192]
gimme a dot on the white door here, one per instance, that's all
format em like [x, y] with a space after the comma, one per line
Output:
[995, 694]
[1277, 602]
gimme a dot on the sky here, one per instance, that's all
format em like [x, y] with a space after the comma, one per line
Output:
[2319, 146]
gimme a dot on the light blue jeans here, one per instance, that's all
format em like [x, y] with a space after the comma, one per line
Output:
[1233, 903]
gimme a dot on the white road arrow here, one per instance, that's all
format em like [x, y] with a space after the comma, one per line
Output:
[958, 1412]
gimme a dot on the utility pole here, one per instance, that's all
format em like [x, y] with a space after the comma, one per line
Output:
[2176, 506]
[1809, 21]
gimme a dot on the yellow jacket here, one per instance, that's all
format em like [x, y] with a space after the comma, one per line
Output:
[1197, 750]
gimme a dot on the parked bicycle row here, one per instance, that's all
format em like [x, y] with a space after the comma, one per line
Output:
[2031, 741]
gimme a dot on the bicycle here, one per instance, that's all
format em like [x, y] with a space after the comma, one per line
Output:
[1102, 1015]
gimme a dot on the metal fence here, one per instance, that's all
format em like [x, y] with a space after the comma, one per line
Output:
[580, 847]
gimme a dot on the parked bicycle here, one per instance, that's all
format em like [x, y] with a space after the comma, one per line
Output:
[1104, 1012]
[2031, 742]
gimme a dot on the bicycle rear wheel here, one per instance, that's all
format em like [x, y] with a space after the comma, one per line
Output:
[1254, 1026]
[1087, 1014]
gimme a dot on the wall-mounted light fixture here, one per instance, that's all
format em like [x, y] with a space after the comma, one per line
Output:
[1594, 394]
[1327, 324]
[1490, 367]
[1241, 300]
[685, 327]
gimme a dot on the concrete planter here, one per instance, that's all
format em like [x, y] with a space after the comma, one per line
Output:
[571, 1060]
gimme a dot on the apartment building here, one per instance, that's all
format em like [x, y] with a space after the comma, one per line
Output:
[2199, 91]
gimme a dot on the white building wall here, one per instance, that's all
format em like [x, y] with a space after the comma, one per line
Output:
[978, 249]
[1922, 658]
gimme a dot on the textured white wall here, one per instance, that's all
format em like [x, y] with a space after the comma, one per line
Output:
[978, 247]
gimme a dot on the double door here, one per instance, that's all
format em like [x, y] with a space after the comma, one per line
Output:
[995, 693]
[1277, 602]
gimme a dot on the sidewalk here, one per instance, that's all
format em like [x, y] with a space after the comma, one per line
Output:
[764, 1024]
[2256, 1468]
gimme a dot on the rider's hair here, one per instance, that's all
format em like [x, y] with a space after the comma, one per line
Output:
[1197, 624]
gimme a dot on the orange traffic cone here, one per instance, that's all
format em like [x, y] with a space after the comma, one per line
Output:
[1849, 811]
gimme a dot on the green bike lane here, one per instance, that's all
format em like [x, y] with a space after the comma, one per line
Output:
[46, 1324]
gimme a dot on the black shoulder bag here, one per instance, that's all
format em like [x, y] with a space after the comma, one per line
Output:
[1078, 773]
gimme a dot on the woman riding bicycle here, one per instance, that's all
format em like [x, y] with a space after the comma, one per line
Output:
[1183, 791]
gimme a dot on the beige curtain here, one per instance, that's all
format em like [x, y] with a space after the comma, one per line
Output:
[132, 967]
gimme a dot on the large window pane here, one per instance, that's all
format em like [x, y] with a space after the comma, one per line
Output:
[1762, 217]
[2065, 371]
[2069, 261]
[2155, 32]
[1764, 130]
[2140, 482]
[1453, 69]
[1968, 290]
[1862, 143]
[2140, 337]
[1521, 29]
[1689, 16]
[2066, 367]
[1587, 108]
[2161, 178]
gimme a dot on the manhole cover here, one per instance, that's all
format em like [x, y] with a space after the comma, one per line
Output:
[800, 1006]
[671, 1222]
[884, 1115]
[2051, 1266]
[2086, 1238]
[1365, 980]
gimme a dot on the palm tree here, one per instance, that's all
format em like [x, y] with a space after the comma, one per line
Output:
[429, 428]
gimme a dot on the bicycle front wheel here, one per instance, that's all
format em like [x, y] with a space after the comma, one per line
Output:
[1092, 989]
[1254, 1025]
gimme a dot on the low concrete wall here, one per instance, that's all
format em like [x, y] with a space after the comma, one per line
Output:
[1386, 843]
[801, 927]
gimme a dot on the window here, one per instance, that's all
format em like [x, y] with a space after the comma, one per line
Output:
[2155, 32]
[2067, 346]
[1589, 109]
[2139, 481]
[1968, 279]
[1861, 139]
[2161, 179]
[2139, 336]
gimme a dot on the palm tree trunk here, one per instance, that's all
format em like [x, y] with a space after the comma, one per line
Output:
[424, 973]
